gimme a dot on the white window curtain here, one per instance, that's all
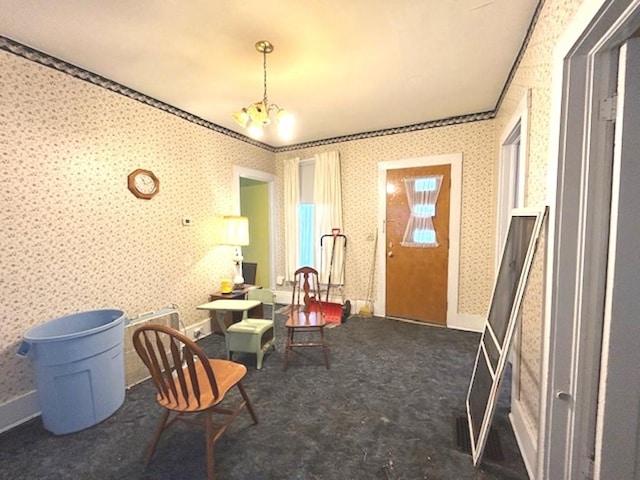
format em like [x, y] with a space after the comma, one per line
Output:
[291, 222]
[327, 198]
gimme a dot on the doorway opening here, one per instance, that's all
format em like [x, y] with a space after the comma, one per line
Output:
[254, 192]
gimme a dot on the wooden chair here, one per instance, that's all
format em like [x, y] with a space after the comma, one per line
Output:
[253, 335]
[188, 382]
[306, 316]
[249, 271]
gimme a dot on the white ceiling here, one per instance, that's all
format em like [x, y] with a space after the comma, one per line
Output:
[340, 66]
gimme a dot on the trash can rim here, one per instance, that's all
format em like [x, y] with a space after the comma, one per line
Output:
[30, 337]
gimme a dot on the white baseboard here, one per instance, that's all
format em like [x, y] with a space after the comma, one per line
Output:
[356, 305]
[471, 323]
[283, 296]
[525, 438]
[19, 410]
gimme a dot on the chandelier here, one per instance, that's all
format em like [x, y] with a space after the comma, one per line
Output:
[257, 115]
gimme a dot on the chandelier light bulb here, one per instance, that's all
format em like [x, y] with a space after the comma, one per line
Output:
[286, 122]
[255, 131]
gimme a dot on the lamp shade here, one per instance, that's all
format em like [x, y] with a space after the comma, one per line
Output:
[235, 231]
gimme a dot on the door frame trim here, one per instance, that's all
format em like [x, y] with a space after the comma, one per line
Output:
[270, 180]
[519, 120]
[506, 173]
[455, 209]
[570, 342]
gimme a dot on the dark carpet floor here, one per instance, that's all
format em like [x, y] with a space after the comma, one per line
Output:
[384, 410]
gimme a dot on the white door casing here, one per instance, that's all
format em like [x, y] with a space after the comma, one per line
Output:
[512, 180]
[270, 179]
[512, 169]
[454, 320]
[580, 186]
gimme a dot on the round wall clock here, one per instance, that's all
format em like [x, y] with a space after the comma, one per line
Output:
[143, 183]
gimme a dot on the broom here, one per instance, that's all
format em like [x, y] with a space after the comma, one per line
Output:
[366, 310]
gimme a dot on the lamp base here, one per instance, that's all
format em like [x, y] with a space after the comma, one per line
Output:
[238, 282]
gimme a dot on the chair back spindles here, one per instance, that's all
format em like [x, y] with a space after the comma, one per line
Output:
[173, 361]
[191, 367]
[151, 361]
[306, 288]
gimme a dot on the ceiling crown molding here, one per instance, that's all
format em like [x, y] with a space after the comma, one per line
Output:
[42, 58]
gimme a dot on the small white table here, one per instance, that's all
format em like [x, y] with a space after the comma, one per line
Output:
[221, 307]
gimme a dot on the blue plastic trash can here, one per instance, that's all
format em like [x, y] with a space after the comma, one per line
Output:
[79, 366]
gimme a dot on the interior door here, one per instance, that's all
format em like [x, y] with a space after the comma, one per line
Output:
[417, 256]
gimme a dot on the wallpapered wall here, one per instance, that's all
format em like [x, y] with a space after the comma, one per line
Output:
[359, 163]
[76, 239]
[73, 237]
[534, 73]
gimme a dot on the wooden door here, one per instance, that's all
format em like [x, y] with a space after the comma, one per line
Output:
[416, 276]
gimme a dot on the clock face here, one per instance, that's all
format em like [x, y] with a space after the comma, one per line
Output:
[143, 184]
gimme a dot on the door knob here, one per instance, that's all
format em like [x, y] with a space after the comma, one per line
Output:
[390, 254]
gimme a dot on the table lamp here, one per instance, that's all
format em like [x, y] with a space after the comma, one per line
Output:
[235, 233]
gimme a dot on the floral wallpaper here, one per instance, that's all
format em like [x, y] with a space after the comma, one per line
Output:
[73, 237]
[535, 72]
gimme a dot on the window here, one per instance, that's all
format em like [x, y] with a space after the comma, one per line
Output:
[306, 210]
[422, 195]
[306, 235]
[313, 207]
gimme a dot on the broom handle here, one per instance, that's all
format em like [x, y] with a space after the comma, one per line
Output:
[373, 267]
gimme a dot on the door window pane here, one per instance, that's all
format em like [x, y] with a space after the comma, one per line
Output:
[422, 196]
[424, 236]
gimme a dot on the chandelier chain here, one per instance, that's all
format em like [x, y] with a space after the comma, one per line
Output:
[264, 68]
